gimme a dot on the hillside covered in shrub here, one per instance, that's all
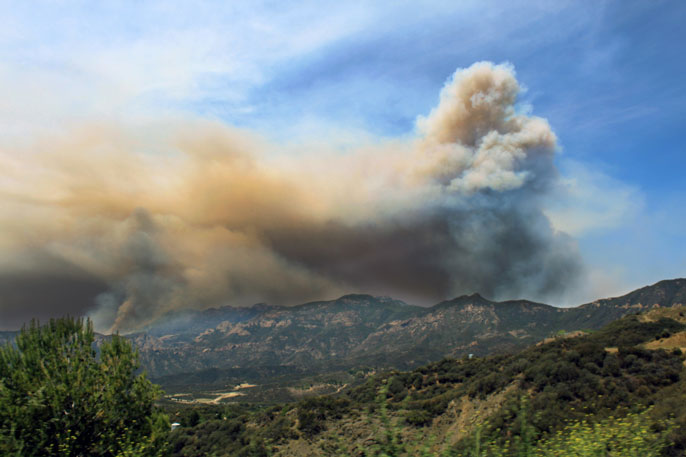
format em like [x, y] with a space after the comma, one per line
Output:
[621, 388]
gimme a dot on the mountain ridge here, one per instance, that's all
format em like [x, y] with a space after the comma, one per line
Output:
[361, 329]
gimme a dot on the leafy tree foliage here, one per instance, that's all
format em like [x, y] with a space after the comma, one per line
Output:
[59, 397]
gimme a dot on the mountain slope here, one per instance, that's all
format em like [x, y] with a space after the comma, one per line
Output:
[377, 331]
[357, 330]
[7, 336]
[511, 403]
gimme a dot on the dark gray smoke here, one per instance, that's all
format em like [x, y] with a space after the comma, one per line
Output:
[501, 251]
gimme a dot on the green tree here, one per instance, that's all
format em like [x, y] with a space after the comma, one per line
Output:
[59, 397]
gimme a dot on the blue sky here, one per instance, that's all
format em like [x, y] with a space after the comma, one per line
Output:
[607, 75]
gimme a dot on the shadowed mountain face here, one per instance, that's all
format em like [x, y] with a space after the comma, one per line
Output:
[376, 331]
[6, 337]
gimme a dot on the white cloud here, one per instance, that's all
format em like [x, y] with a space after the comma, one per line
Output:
[70, 61]
[66, 63]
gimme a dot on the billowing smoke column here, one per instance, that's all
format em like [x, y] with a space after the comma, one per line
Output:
[128, 225]
[478, 226]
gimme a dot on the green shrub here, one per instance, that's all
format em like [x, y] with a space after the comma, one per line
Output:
[58, 397]
[418, 417]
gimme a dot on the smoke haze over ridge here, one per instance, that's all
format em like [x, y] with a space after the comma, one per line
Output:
[126, 224]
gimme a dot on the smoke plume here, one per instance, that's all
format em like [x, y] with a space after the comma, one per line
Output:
[126, 224]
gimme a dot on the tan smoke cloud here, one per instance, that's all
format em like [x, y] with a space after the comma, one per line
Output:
[477, 141]
[135, 222]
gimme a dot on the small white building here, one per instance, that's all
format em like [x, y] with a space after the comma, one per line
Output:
[175, 425]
